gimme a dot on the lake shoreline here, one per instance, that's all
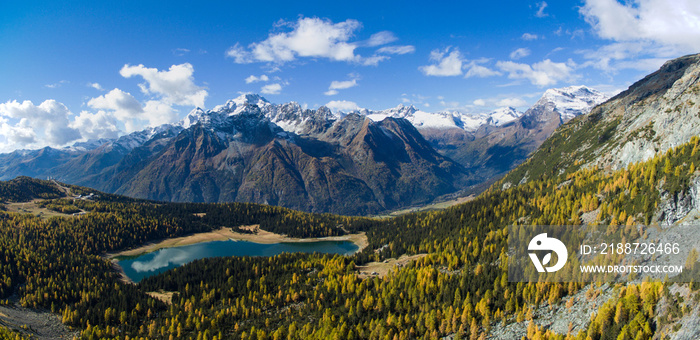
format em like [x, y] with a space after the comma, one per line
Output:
[225, 233]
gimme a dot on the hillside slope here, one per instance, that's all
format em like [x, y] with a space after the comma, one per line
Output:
[653, 115]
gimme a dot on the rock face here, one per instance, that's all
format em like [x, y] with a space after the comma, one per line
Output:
[678, 208]
[653, 115]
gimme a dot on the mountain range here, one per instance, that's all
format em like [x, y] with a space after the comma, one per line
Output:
[361, 162]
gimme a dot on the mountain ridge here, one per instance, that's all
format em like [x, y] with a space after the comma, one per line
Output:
[249, 149]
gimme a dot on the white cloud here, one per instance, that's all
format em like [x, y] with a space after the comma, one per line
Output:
[96, 125]
[342, 105]
[124, 105]
[397, 49]
[27, 125]
[511, 102]
[640, 55]
[271, 89]
[310, 37]
[543, 73]
[529, 36]
[372, 61]
[57, 85]
[480, 72]
[665, 22]
[180, 51]
[254, 79]
[475, 69]
[520, 53]
[541, 6]
[96, 86]
[239, 54]
[381, 38]
[125, 108]
[175, 86]
[446, 63]
[479, 102]
[340, 85]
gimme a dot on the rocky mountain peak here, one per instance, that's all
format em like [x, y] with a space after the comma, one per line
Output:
[571, 101]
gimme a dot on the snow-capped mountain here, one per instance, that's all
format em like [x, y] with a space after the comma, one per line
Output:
[446, 119]
[291, 117]
[572, 101]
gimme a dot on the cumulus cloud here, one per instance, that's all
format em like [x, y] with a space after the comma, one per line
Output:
[479, 102]
[122, 103]
[27, 125]
[96, 125]
[511, 102]
[520, 53]
[665, 22]
[310, 37]
[174, 86]
[543, 73]
[530, 36]
[128, 110]
[254, 79]
[316, 38]
[445, 63]
[342, 105]
[397, 49]
[271, 89]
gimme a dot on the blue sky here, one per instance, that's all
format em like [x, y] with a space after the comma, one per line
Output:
[93, 69]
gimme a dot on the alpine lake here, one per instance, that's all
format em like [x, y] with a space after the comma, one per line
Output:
[136, 268]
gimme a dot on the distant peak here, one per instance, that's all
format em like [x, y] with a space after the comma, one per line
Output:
[403, 110]
[572, 101]
[249, 98]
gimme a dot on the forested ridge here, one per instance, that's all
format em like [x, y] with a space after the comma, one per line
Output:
[460, 287]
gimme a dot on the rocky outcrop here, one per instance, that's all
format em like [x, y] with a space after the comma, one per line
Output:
[675, 208]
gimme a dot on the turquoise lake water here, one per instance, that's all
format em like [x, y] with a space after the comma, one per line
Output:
[146, 265]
